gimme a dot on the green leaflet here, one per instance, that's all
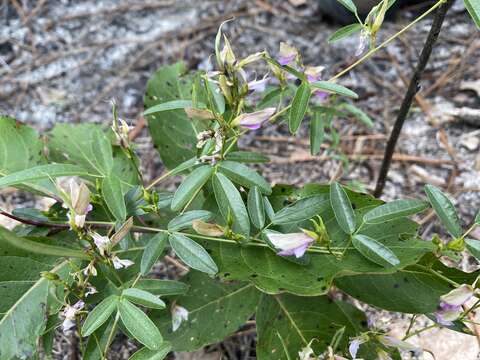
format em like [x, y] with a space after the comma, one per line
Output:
[303, 209]
[113, 196]
[230, 203]
[394, 210]
[100, 314]
[445, 210]
[162, 287]
[358, 113]
[152, 252]
[147, 354]
[139, 325]
[216, 310]
[143, 298]
[189, 187]
[349, 4]
[317, 132]
[184, 221]
[342, 208]
[298, 320]
[102, 151]
[344, 32]
[299, 106]
[244, 176]
[169, 105]
[375, 251]
[334, 88]
[473, 7]
[192, 254]
[41, 172]
[247, 157]
[24, 320]
[38, 247]
[473, 246]
[256, 207]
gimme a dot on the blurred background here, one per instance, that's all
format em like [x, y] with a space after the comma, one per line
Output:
[64, 61]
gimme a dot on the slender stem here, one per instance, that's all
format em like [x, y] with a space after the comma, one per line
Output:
[437, 274]
[413, 88]
[146, 229]
[433, 326]
[157, 180]
[410, 325]
[386, 42]
[112, 334]
[281, 112]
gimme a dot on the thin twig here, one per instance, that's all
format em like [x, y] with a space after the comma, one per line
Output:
[410, 94]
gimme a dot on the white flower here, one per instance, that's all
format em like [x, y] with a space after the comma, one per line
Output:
[119, 263]
[70, 312]
[76, 197]
[90, 270]
[101, 242]
[291, 244]
[179, 314]
[90, 290]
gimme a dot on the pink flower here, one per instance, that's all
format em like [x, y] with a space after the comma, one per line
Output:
[291, 244]
[287, 54]
[254, 121]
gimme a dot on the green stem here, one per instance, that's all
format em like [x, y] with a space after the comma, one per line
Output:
[111, 335]
[281, 112]
[439, 275]
[386, 42]
[433, 326]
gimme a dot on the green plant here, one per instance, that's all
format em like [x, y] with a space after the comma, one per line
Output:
[275, 253]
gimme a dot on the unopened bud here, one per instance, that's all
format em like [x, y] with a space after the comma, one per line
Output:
[204, 228]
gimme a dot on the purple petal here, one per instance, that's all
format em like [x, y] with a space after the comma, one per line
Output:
[300, 251]
[321, 95]
[285, 60]
[288, 252]
[258, 85]
[353, 347]
[252, 126]
[444, 306]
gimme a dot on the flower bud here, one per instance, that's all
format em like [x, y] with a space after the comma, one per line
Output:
[254, 121]
[204, 228]
[202, 114]
[287, 54]
[122, 231]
